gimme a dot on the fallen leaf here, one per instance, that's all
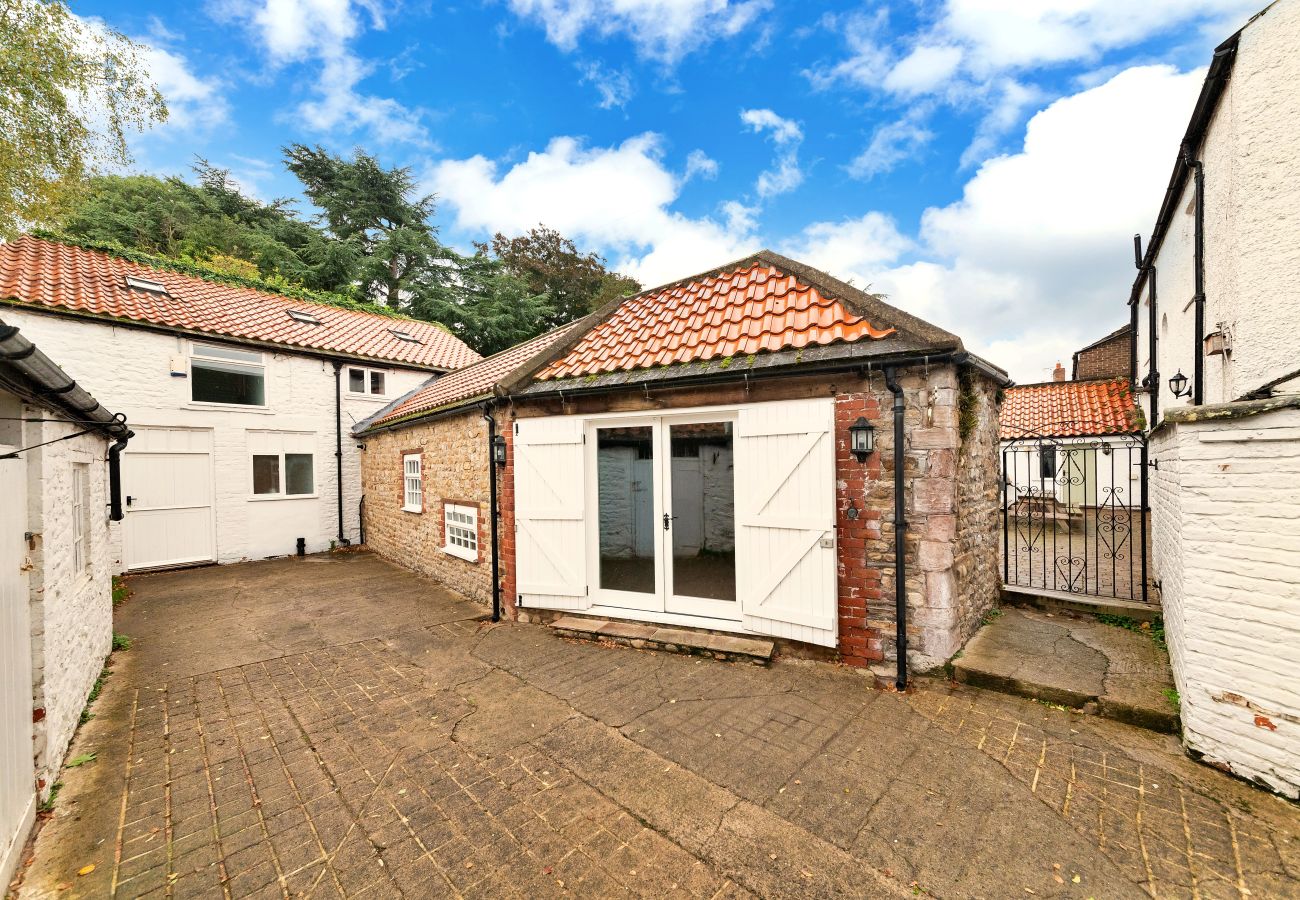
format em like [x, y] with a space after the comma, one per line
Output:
[65, 885]
[1076, 879]
[79, 760]
[772, 855]
[1058, 879]
[86, 870]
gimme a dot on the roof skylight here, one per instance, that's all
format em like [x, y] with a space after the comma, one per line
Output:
[305, 317]
[146, 284]
[404, 336]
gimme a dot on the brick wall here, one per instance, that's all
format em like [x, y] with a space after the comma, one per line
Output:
[1109, 359]
[454, 466]
[1224, 500]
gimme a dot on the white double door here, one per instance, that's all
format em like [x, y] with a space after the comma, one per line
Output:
[663, 534]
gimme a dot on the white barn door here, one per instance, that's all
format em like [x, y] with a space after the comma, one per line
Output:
[550, 536]
[785, 518]
[167, 478]
[17, 770]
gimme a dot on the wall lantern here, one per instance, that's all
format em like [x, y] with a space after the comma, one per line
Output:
[499, 450]
[1178, 384]
[862, 439]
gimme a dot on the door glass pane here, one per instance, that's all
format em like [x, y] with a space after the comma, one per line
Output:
[266, 474]
[297, 473]
[704, 511]
[625, 484]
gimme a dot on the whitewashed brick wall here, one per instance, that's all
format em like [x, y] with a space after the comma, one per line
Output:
[129, 371]
[1225, 501]
[71, 610]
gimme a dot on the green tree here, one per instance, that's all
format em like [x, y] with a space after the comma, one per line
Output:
[70, 92]
[375, 211]
[549, 263]
[482, 304]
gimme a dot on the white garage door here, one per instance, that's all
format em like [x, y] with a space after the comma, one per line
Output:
[167, 483]
[17, 775]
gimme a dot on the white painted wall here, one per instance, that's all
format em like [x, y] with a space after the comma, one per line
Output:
[1251, 156]
[1117, 474]
[129, 371]
[1225, 500]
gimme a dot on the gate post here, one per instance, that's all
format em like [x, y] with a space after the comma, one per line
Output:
[1142, 442]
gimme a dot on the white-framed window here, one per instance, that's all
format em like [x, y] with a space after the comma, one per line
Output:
[363, 382]
[412, 483]
[460, 529]
[282, 464]
[226, 375]
[80, 517]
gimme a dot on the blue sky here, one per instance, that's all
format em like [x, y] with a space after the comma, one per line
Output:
[982, 162]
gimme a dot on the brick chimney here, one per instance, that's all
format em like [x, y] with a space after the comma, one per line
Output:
[1058, 374]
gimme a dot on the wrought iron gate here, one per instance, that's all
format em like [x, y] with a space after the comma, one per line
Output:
[1075, 517]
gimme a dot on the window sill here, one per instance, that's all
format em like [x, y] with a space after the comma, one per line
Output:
[378, 398]
[263, 498]
[413, 509]
[461, 554]
[230, 407]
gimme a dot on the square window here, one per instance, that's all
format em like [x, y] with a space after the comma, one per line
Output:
[377, 383]
[226, 375]
[266, 474]
[298, 476]
[461, 531]
[357, 381]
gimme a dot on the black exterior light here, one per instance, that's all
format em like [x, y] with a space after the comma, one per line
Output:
[862, 439]
[1178, 384]
[499, 450]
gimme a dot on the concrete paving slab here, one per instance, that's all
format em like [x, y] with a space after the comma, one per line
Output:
[1073, 660]
[460, 758]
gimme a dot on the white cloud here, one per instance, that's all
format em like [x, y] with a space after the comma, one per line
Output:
[613, 85]
[700, 165]
[854, 250]
[321, 32]
[923, 70]
[893, 143]
[664, 30]
[615, 199]
[1034, 261]
[192, 102]
[785, 174]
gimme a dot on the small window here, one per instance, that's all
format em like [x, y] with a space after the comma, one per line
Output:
[404, 336]
[80, 517]
[146, 284]
[367, 382]
[225, 375]
[412, 483]
[295, 471]
[461, 530]
[1047, 462]
[305, 317]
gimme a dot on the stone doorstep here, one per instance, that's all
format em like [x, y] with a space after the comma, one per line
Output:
[1080, 603]
[674, 640]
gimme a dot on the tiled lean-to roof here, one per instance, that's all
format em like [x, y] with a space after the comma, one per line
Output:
[458, 388]
[1069, 409]
[44, 273]
[756, 306]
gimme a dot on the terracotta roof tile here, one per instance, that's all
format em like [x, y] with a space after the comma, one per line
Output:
[1068, 408]
[464, 384]
[754, 309]
[34, 271]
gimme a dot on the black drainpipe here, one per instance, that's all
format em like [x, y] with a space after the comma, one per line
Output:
[900, 530]
[492, 512]
[338, 444]
[1198, 266]
[115, 479]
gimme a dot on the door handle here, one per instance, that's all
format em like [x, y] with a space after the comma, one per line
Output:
[667, 519]
[129, 498]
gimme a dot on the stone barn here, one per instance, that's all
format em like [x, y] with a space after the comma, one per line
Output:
[759, 450]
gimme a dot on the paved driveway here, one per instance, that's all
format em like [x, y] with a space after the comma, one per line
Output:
[340, 727]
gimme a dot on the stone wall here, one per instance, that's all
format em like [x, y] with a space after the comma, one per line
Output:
[71, 609]
[977, 580]
[1224, 499]
[454, 460]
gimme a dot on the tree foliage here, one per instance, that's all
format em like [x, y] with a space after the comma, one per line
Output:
[70, 92]
[551, 264]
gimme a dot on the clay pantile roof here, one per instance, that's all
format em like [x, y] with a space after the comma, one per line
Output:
[39, 272]
[761, 304]
[1069, 409]
[473, 382]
